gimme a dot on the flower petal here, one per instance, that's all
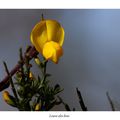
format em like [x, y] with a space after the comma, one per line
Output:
[55, 32]
[39, 35]
[52, 51]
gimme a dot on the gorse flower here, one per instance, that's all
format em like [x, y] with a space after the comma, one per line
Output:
[48, 36]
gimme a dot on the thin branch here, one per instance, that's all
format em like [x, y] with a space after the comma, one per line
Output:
[32, 53]
[65, 104]
[27, 66]
[11, 82]
[84, 108]
[44, 71]
[21, 63]
[110, 101]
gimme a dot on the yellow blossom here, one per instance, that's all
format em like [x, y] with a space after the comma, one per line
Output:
[48, 37]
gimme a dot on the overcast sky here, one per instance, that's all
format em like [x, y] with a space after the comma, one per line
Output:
[91, 59]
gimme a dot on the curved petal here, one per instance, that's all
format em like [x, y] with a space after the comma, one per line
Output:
[53, 51]
[39, 35]
[55, 32]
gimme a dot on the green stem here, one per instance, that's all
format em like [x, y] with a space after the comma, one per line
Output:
[45, 65]
[27, 67]
[21, 63]
[44, 70]
[11, 82]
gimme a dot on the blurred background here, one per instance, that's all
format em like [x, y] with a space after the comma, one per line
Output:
[91, 59]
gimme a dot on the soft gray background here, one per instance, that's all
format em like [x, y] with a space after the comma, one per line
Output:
[91, 58]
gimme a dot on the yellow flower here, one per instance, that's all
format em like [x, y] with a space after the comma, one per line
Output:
[48, 37]
[8, 98]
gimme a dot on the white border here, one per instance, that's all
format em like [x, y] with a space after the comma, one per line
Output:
[62, 4]
[60, 115]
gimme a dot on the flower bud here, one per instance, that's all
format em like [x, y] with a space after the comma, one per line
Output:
[37, 61]
[9, 99]
[37, 107]
[31, 76]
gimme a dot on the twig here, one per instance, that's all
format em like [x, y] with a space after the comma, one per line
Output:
[66, 105]
[32, 53]
[84, 108]
[44, 71]
[11, 82]
[27, 66]
[110, 101]
[21, 63]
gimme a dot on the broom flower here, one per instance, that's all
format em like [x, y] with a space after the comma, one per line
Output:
[48, 36]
